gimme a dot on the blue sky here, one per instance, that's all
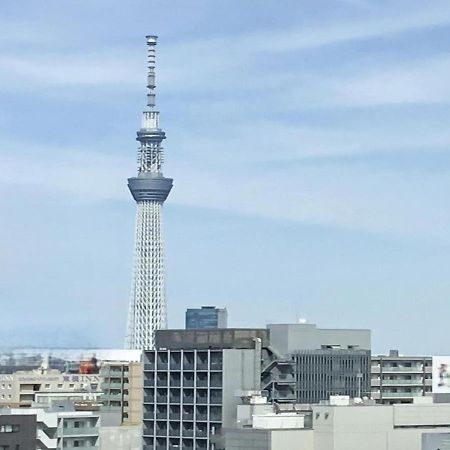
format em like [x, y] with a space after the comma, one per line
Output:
[308, 140]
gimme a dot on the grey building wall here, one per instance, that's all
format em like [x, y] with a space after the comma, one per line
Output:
[436, 441]
[120, 438]
[18, 431]
[243, 439]
[322, 373]
[287, 338]
[240, 373]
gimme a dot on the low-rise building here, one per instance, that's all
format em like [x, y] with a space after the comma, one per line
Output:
[326, 361]
[59, 426]
[400, 379]
[19, 389]
[340, 424]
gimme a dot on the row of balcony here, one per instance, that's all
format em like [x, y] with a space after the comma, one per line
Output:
[174, 444]
[214, 399]
[419, 368]
[185, 417]
[401, 382]
[398, 394]
[80, 431]
[174, 432]
[215, 382]
[186, 366]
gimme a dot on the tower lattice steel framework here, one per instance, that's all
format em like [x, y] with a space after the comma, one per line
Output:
[150, 189]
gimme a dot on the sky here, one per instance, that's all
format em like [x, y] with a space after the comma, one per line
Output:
[309, 145]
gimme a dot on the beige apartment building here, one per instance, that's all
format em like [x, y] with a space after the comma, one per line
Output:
[122, 387]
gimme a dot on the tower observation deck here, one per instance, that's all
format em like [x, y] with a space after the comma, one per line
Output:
[149, 189]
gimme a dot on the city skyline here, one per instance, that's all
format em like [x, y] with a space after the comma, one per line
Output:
[310, 151]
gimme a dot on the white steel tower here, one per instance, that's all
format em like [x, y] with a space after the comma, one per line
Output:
[150, 189]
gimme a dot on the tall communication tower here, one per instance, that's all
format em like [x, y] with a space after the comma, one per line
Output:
[150, 189]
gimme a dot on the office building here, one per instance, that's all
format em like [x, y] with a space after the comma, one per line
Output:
[206, 317]
[190, 382]
[321, 373]
[149, 189]
[121, 384]
[327, 361]
[400, 379]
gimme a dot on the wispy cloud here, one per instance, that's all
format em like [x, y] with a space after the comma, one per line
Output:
[218, 56]
[385, 201]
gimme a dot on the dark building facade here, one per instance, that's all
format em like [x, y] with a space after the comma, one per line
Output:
[191, 381]
[325, 372]
[206, 317]
[17, 432]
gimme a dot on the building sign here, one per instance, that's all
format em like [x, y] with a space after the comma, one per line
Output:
[441, 374]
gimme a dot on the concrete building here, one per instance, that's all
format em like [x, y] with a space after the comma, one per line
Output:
[324, 372]
[8, 396]
[266, 426]
[290, 338]
[400, 379]
[122, 387]
[17, 431]
[59, 426]
[190, 383]
[21, 387]
[327, 361]
[206, 317]
[378, 427]
[191, 377]
[341, 424]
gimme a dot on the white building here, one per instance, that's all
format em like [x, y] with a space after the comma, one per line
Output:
[62, 427]
[343, 425]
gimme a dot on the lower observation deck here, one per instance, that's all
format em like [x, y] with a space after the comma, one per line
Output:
[150, 186]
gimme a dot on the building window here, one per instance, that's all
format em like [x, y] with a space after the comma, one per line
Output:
[47, 386]
[9, 428]
[71, 385]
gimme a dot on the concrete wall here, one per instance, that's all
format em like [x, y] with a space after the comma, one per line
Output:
[292, 439]
[120, 438]
[436, 441]
[372, 427]
[238, 375]
[287, 338]
[249, 440]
